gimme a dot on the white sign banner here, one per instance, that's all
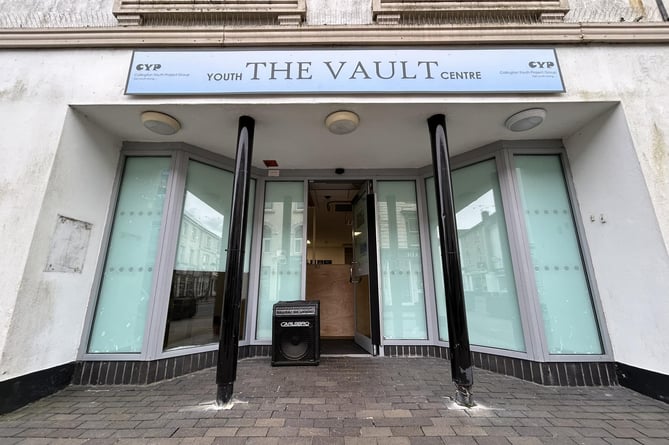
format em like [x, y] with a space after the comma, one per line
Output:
[218, 72]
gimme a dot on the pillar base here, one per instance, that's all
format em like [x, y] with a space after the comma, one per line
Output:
[463, 396]
[224, 394]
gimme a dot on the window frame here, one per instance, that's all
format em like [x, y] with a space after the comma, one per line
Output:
[528, 302]
[158, 304]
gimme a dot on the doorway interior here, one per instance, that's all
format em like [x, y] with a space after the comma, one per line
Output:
[330, 254]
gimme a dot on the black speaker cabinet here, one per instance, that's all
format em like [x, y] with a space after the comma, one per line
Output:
[296, 333]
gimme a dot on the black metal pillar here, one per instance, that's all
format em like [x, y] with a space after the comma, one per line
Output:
[228, 346]
[458, 335]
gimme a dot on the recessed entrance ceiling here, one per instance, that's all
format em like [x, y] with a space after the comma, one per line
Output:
[390, 135]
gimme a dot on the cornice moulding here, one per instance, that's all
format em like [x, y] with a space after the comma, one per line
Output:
[163, 37]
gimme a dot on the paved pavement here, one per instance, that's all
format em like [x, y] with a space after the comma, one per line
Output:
[347, 401]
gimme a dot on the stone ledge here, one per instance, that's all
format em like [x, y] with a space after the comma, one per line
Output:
[136, 12]
[176, 37]
[536, 10]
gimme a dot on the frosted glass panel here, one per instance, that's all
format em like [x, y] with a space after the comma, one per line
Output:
[282, 258]
[120, 315]
[566, 305]
[400, 261]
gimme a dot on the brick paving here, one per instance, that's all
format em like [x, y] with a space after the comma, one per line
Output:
[344, 401]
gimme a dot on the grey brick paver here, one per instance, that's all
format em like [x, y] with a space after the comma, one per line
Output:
[195, 441]
[262, 441]
[310, 432]
[327, 441]
[656, 432]
[283, 431]
[496, 440]
[525, 440]
[229, 441]
[652, 441]
[375, 432]
[221, 432]
[469, 430]
[425, 441]
[442, 430]
[616, 441]
[343, 401]
[250, 431]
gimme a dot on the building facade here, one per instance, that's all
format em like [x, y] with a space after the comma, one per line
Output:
[120, 136]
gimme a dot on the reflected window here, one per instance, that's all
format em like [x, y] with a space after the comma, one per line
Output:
[493, 315]
[297, 240]
[196, 297]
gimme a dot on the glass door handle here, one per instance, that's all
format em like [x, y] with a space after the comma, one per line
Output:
[352, 280]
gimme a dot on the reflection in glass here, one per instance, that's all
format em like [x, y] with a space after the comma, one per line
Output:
[120, 315]
[493, 315]
[196, 297]
[400, 261]
[282, 250]
[564, 295]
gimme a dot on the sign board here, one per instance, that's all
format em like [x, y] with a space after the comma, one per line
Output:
[329, 71]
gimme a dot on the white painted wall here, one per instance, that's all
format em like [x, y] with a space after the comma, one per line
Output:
[28, 152]
[50, 308]
[635, 77]
[620, 164]
[627, 249]
[38, 179]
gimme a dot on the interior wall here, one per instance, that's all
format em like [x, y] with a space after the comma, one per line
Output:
[329, 283]
[336, 254]
[52, 305]
[627, 248]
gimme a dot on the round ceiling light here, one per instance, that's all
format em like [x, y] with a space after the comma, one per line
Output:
[342, 122]
[160, 123]
[526, 119]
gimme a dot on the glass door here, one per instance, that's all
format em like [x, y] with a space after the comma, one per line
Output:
[363, 272]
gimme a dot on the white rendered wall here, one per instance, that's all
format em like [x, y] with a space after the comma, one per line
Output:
[50, 308]
[627, 249]
[635, 77]
[45, 157]
[620, 164]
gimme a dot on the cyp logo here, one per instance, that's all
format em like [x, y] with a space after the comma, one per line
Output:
[148, 67]
[539, 64]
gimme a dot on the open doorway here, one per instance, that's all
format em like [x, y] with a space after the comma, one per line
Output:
[330, 254]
